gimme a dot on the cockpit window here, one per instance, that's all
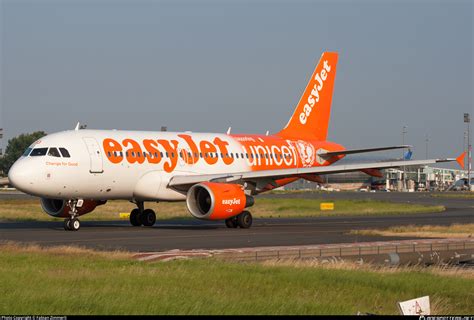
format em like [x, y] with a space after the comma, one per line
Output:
[37, 152]
[53, 152]
[64, 152]
[27, 152]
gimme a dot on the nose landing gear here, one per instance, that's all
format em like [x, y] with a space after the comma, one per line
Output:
[72, 223]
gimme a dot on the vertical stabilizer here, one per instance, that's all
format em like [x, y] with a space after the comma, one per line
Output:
[310, 119]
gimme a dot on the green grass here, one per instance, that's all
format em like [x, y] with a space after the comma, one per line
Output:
[54, 282]
[311, 207]
[454, 195]
[452, 231]
[315, 191]
[14, 210]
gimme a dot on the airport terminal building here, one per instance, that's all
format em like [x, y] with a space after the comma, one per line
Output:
[416, 178]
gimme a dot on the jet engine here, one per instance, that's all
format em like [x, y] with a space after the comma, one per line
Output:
[59, 208]
[217, 201]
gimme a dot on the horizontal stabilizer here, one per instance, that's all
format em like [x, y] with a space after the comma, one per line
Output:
[460, 160]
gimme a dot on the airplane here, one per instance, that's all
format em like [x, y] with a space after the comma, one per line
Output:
[217, 174]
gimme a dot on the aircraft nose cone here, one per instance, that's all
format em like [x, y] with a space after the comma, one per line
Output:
[20, 176]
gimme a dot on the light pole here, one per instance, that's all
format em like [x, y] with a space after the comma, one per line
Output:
[426, 146]
[467, 119]
[464, 147]
[404, 131]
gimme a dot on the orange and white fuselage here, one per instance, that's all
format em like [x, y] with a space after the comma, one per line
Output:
[138, 165]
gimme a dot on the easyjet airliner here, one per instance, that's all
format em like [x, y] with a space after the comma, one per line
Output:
[216, 174]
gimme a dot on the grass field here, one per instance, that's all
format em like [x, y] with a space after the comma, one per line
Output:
[78, 281]
[452, 231]
[264, 208]
[455, 195]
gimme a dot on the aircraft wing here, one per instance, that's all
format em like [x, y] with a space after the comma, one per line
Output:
[354, 151]
[184, 182]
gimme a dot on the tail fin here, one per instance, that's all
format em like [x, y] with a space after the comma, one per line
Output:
[310, 119]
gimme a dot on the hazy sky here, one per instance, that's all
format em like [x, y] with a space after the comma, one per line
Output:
[208, 65]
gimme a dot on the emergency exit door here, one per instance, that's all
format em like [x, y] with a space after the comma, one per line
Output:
[95, 155]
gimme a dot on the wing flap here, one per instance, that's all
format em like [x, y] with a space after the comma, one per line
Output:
[188, 180]
[354, 151]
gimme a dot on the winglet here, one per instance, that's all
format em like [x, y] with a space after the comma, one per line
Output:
[460, 159]
[78, 126]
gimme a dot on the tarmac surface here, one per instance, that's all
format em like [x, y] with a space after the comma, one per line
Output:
[190, 234]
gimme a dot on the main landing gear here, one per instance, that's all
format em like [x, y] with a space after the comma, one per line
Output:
[72, 223]
[243, 220]
[140, 216]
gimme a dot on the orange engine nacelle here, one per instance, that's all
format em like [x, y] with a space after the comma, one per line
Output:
[59, 208]
[217, 201]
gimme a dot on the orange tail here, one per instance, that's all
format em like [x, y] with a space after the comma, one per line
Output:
[311, 117]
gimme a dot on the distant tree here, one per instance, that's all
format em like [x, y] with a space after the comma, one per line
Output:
[15, 148]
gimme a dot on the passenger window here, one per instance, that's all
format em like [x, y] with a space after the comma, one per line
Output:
[27, 152]
[53, 152]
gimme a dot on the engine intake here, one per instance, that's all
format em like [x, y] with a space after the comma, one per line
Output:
[217, 201]
[59, 208]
